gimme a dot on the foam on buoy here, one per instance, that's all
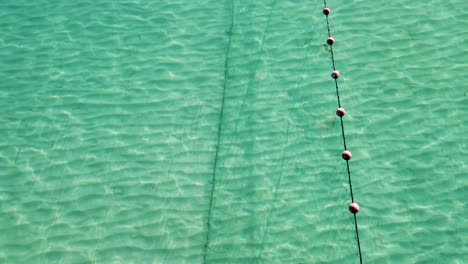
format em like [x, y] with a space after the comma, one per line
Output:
[354, 208]
[330, 41]
[340, 112]
[326, 11]
[346, 155]
[335, 74]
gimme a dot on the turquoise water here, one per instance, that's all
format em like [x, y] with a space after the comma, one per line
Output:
[110, 116]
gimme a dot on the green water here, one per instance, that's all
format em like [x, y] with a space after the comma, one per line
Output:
[110, 114]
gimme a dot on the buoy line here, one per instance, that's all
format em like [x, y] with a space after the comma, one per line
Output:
[340, 112]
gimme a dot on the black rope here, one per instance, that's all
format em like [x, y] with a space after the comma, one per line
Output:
[343, 135]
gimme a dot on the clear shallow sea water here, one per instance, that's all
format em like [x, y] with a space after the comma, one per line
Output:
[110, 116]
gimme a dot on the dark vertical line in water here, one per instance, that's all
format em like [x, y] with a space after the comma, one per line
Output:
[275, 194]
[343, 135]
[257, 60]
[278, 183]
[17, 155]
[349, 181]
[357, 238]
[218, 140]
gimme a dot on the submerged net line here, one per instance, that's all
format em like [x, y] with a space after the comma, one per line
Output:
[218, 137]
[343, 135]
[281, 174]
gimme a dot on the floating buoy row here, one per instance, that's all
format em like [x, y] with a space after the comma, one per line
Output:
[340, 112]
